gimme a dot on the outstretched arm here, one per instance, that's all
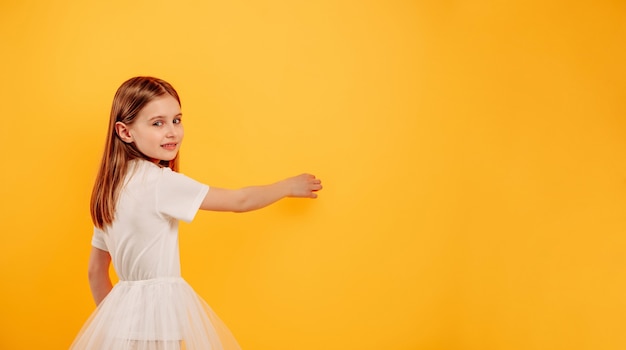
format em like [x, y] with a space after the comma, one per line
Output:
[256, 197]
[98, 271]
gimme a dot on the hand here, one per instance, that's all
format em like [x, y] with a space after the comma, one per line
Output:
[304, 186]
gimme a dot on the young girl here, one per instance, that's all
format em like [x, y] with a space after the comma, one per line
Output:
[136, 203]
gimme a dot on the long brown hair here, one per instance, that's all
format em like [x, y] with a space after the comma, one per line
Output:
[130, 98]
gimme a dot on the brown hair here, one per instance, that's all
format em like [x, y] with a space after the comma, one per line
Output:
[130, 98]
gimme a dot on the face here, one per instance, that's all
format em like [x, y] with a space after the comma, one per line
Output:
[157, 131]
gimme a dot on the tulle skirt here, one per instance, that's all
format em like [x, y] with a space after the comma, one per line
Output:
[157, 314]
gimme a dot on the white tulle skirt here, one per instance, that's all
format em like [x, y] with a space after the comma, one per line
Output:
[156, 314]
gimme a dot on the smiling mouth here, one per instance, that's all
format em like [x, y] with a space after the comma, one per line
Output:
[169, 145]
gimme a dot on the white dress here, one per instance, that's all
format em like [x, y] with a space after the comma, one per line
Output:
[152, 307]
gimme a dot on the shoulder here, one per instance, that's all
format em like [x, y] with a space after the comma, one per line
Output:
[145, 171]
[145, 168]
[142, 173]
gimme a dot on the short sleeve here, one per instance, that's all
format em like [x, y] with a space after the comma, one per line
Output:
[179, 196]
[97, 240]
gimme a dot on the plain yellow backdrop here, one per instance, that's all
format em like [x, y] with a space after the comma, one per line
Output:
[472, 153]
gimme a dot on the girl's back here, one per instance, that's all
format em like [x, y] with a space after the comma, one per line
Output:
[152, 307]
[143, 240]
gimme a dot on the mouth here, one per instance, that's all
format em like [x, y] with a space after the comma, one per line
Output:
[170, 146]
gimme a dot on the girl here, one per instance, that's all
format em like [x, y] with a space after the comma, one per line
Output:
[136, 203]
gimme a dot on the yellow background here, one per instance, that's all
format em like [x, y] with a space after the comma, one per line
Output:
[472, 151]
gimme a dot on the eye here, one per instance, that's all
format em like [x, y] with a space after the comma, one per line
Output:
[177, 121]
[157, 123]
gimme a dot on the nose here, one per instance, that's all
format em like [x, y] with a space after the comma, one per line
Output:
[174, 130]
[171, 130]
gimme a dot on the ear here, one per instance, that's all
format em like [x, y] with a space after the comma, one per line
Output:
[123, 132]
